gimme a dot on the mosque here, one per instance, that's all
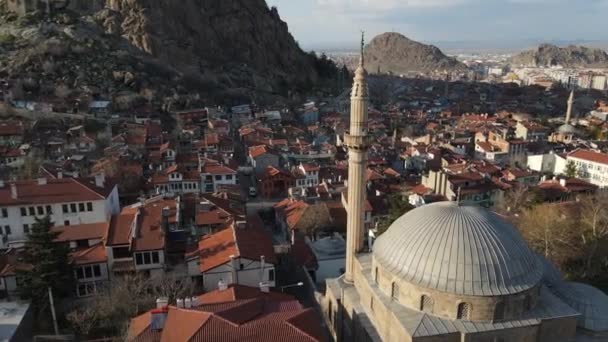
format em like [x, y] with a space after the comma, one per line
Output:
[447, 272]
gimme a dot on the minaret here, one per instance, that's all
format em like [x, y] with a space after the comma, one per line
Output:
[570, 105]
[357, 142]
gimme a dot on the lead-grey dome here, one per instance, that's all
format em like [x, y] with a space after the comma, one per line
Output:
[458, 249]
[567, 129]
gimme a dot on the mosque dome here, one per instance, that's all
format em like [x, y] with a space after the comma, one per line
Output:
[590, 302]
[567, 129]
[461, 250]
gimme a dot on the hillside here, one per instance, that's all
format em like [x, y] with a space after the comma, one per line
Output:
[141, 50]
[394, 53]
[570, 56]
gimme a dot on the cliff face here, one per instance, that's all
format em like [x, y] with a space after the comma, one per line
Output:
[395, 53]
[570, 56]
[142, 50]
[229, 36]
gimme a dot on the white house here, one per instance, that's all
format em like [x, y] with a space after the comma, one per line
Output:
[214, 175]
[547, 163]
[68, 201]
[240, 254]
[591, 166]
[311, 172]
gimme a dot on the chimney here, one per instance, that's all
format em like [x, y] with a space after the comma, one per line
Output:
[165, 219]
[235, 267]
[262, 267]
[162, 302]
[180, 303]
[221, 285]
[100, 180]
[14, 194]
[264, 287]
[562, 182]
[195, 302]
[1, 183]
[41, 181]
[158, 318]
[59, 175]
[188, 303]
[293, 237]
[240, 224]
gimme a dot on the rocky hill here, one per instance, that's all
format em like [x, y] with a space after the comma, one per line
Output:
[394, 53]
[570, 56]
[141, 50]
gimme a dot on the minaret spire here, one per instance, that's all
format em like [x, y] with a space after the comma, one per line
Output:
[570, 105]
[357, 142]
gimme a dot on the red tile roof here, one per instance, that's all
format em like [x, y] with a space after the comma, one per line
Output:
[218, 170]
[65, 190]
[257, 151]
[95, 254]
[82, 232]
[591, 156]
[260, 317]
[8, 128]
[250, 243]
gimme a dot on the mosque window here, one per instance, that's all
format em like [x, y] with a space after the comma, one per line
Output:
[499, 311]
[528, 303]
[426, 304]
[464, 311]
[376, 275]
[395, 291]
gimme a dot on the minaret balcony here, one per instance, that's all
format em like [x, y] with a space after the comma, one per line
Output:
[357, 142]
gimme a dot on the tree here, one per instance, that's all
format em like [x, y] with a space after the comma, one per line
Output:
[517, 198]
[594, 230]
[50, 265]
[551, 232]
[109, 313]
[398, 207]
[571, 170]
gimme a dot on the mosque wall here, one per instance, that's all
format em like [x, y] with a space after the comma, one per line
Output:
[446, 304]
[521, 334]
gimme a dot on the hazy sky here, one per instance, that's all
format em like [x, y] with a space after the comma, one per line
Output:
[326, 22]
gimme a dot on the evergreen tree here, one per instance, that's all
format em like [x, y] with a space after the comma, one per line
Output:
[50, 266]
[571, 170]
[398, 206]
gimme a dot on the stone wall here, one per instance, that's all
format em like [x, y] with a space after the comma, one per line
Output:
[446, 304]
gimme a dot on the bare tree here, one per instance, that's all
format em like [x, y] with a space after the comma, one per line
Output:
[516, 199]
[110, 312]
[551, 233]
[594, 226]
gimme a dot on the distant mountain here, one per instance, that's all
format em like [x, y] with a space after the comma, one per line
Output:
[392, 52]
[570, 56]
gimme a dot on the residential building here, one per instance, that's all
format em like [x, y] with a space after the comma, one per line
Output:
[311, 171]
[260, 157]
[11, 133]
[136, 238]
[230, 313]
[591, 166]
[275, 182]
[242, 253]
[175, 180]
[214, 175]
[68, 201]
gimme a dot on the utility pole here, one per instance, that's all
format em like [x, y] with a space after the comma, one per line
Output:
[53, 311]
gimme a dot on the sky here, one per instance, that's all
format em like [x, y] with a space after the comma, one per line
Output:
[337, 23]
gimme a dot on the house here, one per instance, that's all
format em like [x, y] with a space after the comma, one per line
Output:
[311, 171]
[531, 131]
[242, 253]
[88, 256]
[330, 253]
[564, 189]
[68, 201]
[175, 180]
[213, 213]
[260, 157]
[11, 133]
[230, 313]
[12, 157]
[214, 175]
[590, 165]
[136, 238]
[468, 187]
[275, 182]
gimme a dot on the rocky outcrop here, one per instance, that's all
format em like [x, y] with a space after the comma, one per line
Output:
[158, 48]
[570, 56]
[226, 36]
[394, 53]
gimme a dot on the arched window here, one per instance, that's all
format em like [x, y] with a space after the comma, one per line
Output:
[527, 303]
[395, 291]
[464, 311]
[499, 311]
[426, 304]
